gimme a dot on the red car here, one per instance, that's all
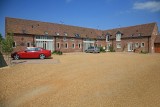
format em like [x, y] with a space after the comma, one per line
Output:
[32, 52]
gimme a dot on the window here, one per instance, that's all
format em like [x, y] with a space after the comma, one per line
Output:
[65, 34]
[57, 33]
[118, 45]
[72, 39]
[14, 44]
[77, 35]
[96, 45]
[28, 44]
[107, 38]
[66, 45]
[57, 38]
[79, 45]
[142, 44]
[73, 45]
[64, 39]
[58, 45]
[118, 37]
[136, 45]
[37, 49]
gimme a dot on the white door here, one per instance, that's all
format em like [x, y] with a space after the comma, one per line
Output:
[108, 46]
[130, 47]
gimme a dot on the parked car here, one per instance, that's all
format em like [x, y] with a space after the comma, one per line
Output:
[92, 50]
[32, 52]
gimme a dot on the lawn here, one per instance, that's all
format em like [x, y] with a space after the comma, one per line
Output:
[84, 80]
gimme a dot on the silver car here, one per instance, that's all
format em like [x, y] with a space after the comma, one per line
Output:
[93, 50]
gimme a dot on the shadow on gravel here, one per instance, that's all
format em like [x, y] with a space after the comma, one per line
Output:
[2, 61]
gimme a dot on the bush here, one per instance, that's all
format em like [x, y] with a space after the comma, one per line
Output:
[143, 52]
[102, 50]
[57, 52]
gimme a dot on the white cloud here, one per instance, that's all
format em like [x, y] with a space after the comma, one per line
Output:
[153, 6]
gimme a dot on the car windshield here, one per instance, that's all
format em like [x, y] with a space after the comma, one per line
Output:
[30, 49]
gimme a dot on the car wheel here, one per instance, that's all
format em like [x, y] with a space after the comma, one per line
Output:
[42, 56]
[16, 57]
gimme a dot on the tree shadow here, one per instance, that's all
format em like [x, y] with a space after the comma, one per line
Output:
[2, 61]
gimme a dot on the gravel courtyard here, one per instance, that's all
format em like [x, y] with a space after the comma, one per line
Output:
[83, 80]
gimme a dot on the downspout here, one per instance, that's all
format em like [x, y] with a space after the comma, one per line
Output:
[148, 44]
[33, 40]
[55, 43]
[82, 44]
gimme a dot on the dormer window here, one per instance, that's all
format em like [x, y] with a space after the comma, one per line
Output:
[118, 36]
[77, 35]
[57, 33]
[46, 33]
[65, 34]
[107, 38]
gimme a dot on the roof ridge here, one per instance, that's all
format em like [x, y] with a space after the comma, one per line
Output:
[131, 26]
[55, 23]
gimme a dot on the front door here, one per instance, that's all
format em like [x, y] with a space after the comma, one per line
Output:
[130, 47]
[108, 46]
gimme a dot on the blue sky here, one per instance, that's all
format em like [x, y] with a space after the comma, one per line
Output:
[98, 14]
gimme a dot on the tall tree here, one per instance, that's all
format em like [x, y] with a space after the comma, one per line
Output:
[7, 43]
[1, 39]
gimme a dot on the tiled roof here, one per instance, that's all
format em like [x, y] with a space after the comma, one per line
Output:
[41, 28]
[157, 40]
[132, 31]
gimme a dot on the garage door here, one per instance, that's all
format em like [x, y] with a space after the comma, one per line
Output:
[157, 48]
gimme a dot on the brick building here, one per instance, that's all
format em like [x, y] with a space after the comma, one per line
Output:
[68, 38]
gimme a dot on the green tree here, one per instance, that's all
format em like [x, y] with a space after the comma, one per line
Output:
[1, 39]
[7, 47]
[7, 44]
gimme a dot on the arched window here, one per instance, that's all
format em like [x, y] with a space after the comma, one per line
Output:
[107, 38]
[14, 44]
[28, 44]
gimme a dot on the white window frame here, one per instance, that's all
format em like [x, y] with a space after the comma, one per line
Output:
[136, 44]
[118, 45]
[118, 37]
[73, 45]
[107, 38]
[79, 45]
[29, 44]
[142, 45]
[65, 34]
[59, 45]
[72, 39]
[57, 33]
[65, 45]
[64, 39]
[14, 44]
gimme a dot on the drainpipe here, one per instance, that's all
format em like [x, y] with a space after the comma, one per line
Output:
[148, 43]
[82, 44]
[54, 43]
[33, 40]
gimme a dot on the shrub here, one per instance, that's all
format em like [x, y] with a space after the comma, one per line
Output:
[57, 52]
[143, 52]
[102, 50]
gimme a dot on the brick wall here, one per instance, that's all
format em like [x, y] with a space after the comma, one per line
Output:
[124, 44]
[21, 41]
[70, 42]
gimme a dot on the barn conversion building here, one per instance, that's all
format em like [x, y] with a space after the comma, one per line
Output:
[66, 38]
